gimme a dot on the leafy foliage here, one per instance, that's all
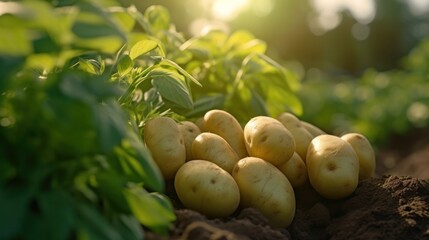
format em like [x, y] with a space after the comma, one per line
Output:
[238, 76]
[79, 79]
[215, 70]
[69, 157]
[377, 104]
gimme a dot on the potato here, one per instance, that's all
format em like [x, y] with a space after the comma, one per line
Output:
[267, 138]
[213, 148]
[365, 154]
[189, 131]
[200, 124]
[313, 130]
[300, 134]
[295, 171]
[265, 188]
[333, 166]
[205, 187]
[165, 142]
[225, 125]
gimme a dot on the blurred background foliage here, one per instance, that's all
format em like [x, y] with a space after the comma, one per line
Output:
[363, 64]
[333, 35]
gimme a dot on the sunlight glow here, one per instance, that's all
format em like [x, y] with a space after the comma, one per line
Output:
[262, 8]
[418, 113]
[362, 10]
[201, 26]
[418, 7]
[228, 9]
[220, 12]
[328, 13]
[329, 20]
[11, 8]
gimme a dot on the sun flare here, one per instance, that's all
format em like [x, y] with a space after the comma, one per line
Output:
[228, 9]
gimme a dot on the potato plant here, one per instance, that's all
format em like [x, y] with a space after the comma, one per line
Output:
[81, 82]
[72, 165]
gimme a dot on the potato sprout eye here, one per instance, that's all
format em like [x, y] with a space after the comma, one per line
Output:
[331, 166]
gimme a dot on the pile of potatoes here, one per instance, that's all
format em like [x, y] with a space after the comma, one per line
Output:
[218, 165]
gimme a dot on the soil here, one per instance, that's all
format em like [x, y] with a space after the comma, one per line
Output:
[392, 205]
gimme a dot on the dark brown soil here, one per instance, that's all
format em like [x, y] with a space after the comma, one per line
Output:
[387, 207]
[392, 205]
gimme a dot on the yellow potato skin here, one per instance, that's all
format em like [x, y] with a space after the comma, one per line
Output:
[300, 134]
[295, 170]
[205, 187]
[365, 154]
[212, 147]
[289, 120]
[267, 138]
[189, 131]
[200, 124]
[333, 167]
[165, 142]
[225, 125]
[313, 130]
[265, 188]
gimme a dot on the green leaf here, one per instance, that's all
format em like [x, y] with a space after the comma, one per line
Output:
[92, 66]
[254, 46]
[271, 83]
[200, 50]
[148, 210]
[86, 66]
[89, 30]
[163, 200]
[85, 87]
[129, 227]
[243, 43]
[92, 225]
[111, 185]
[13, 208]
[56, 210]
[159, 17]
[136, 162]
[123, 18]
[111, 125]
[125, 64]
[106, 44]
[94, 21]
[64, 3]
[207, 47]
[45, 44]
[140, 18]
[8, 170]
[171, 88]
[238, 38]
[169, 63]
[204, 104]
[82, 186]
[293, 103]
[14, 42]
[8, 66]
[142, 47]
[258, 104]
[73, 86]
